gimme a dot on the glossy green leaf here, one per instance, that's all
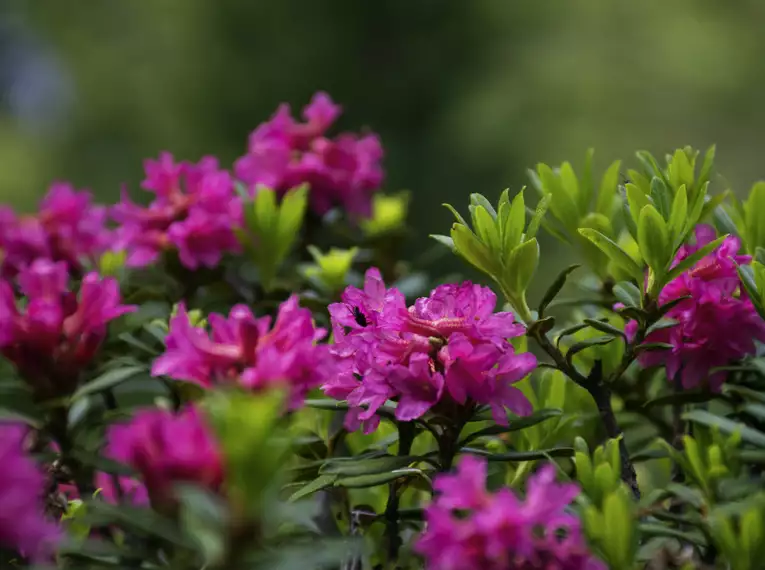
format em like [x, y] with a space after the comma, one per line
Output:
[472, 250]
[373, 480]
[514, 424]
[653, 238]
[555, 288]
[522, 265]
[347, 467]
[628, 294]
[108, 380]
[678, 217]
[727, 426]
[614, 252]
[693, 259]
[538, 216]
[514, 225]
[608, 188]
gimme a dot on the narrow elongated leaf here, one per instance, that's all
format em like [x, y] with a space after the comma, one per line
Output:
[555, 288]
[373, 480]
[678, 217]
[628, 294]
[321, 482]
[693, 259]
[653, 239]
[522, 455]
[512, 230]
[515, 424]
[578, 347]
[614, 252]
[608, 187]
[366, 466]
[727, 426]
[108, 380]
[682, 398]
[538, 216]
[605, 328]
[445, 240]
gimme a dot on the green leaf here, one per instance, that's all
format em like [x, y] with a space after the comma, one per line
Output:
[521, 266]
[693, 259]
[726, 426]
[682, 398]
[651, 346]
[606, 328]
[538, 216]
[586, 188]
[445, 240]
[515, 424]
[108, 380]
[456, 214]
[480, 200]
[321, 482]
[364, 481]
[366, 466]
[563, 206]
[650, 166]
[618, 539]
[512, 231]
[660, 195]
[679, 216]
[555, 288]
[291, 213]
[653, 239]
[614, 252]
[144, 522]
[706, 167]
[587, 343]
[486, 228]
[636, 200]
[570, 185]
[680, 170]
[608, 187]
[472, 250]
[628, 294]
[521, 455]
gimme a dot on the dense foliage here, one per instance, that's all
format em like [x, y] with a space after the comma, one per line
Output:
[243, 374]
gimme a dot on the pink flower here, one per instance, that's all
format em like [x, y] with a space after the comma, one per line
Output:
[248, 351]
[23, 524]
[59, 331]
[716, 324]
[469, 527]
[448, 348]
[284, 153]
[165, 449]
[194, 211]
[68, 228]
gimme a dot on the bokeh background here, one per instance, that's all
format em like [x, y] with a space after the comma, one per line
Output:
[465, 95]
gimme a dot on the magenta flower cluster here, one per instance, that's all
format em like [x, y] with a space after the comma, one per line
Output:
[469, 527]
[248, 351]
[57, 331]
[23, 524]
[165, 449]
[193, 212]
[67, 227]
[284, 153]
[716, 324]
[447, 349]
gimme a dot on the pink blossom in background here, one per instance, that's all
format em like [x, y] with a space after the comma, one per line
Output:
[68, 227]
[716, 325]
[58, 332]
[193, 212]
[284, 153]
[248, 351]
[23, 524]
[165, 449]
[449, 347]
[500, 531]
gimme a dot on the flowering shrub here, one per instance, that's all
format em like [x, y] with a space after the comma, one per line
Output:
[243, 373]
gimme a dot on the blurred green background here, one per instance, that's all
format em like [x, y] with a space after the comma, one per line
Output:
[465, 95]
